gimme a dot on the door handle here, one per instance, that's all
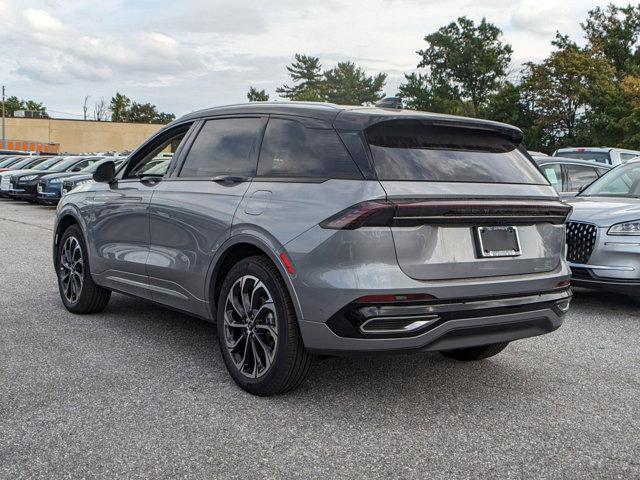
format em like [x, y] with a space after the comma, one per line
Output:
[230, 179]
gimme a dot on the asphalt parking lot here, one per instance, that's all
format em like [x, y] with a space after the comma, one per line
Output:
[140, 391]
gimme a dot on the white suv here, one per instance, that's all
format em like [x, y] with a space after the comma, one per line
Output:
[606, 155]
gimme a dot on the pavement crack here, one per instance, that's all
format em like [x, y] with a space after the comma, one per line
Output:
[27, 223]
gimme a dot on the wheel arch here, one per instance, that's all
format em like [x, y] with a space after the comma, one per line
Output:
[233, 250]
[64, 220]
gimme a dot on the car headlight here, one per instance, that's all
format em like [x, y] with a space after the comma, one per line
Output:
[625, 228]
[28, 177]
[56, 180]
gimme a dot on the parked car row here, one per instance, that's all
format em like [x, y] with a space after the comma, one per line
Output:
[42, 179]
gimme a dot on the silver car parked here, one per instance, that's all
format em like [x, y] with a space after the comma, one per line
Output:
[306, 229]
[603, 232]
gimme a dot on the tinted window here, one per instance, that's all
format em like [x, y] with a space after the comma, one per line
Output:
[600, 157]
[411, 150]
[579, 176]
[553, 172]
[22, 163]
[223, 147]
[156, 151]
[289, 149]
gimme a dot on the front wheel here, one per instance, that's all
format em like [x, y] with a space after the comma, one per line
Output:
[77, 290]
[258, 330]
[475, 353]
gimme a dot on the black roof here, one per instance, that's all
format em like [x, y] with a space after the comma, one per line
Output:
[344, 117]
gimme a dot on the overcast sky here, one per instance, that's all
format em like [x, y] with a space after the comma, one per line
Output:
[184, 55]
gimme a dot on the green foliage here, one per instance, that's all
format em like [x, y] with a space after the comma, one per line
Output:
[466, 61]
[12, 104]
[125, 110]
[346, 83]
[255, 95]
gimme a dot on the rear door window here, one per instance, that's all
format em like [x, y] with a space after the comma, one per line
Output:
[579, 176]
[223, 147]
[553, 172]
[412, 150]
[600, 157]
[289, 149]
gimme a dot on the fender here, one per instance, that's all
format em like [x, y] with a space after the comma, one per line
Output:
[67, 210]
[270, 246]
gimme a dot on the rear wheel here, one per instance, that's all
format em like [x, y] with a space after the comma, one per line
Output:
[258, 330]
[475, 353]
[77, 290]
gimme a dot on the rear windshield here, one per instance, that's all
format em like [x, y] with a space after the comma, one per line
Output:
[411, 150]
[600, 157]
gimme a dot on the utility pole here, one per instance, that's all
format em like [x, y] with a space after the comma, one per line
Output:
[85, 106]
[4, 139]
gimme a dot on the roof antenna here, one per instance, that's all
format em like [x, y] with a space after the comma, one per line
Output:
[390, 102]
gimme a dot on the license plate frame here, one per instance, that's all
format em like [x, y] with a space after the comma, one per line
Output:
[497, 241]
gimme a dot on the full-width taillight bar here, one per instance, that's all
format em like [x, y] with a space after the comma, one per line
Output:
[410, 212]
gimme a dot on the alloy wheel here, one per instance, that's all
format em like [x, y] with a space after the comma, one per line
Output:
[250, 326]
[71, 269]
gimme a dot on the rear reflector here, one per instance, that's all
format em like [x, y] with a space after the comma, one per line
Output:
[408, 297]
[287, 263]
[476, 211]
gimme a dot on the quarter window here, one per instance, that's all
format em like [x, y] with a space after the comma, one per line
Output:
[223, 147]
[580, 176]
[289, 149]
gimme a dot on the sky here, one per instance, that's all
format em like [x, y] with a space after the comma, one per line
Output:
[184, 55]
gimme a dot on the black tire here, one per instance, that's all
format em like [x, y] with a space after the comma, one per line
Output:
[475, 353]
[290, 363]
[92, 298]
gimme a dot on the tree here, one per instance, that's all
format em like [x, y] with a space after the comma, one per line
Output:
[564, 85]
[615, 32]
[421, 92]
[466, 61]
[125, 110]
[12, 104]
[348, 84]
[119, 107]
[306, 74]
[255, 95]
[100, 111]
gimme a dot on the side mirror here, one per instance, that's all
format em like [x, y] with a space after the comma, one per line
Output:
[106, 172]
[76, 169]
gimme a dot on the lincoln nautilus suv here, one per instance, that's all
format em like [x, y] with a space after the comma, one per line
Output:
[304, 229]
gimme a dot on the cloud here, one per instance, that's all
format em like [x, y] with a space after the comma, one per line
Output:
[542, 17]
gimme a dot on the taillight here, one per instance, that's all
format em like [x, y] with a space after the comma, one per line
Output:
[375, 213]
[473, 211]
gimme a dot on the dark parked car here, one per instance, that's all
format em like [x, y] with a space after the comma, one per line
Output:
[49, 186]
[23, 185]
[569, 176]
[25, 164]
[69, 183]
[312, 228]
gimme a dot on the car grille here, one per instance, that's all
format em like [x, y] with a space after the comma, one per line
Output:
[581, 238]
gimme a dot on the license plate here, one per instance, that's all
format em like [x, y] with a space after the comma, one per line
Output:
[64, 191]
[39, 188]
[500, 241]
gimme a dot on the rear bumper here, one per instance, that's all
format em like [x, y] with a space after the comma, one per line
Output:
[462, 323]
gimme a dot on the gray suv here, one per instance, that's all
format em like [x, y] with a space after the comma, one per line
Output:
[305, 229]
